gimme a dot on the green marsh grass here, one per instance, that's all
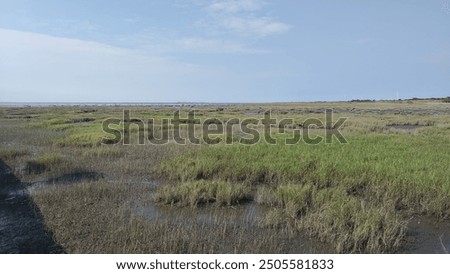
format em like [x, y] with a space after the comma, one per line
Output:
[44, 162]
[356, 196]
[8, 153]
[350, 224]
[203, 192]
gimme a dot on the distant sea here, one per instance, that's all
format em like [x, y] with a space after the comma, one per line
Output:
[44, 104]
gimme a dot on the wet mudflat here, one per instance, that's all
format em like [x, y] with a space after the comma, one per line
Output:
[244, 224]
[424, 234]
[21, 225]
[22, 229]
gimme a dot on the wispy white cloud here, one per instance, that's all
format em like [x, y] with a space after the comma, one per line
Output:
[166, 41]
[73, 25]
[446, 6]
[203, 45]
[38, 67]
[44, 68]
[259, 26]
[131, 20]
[244, 17]
[227, 26]
[233, 6]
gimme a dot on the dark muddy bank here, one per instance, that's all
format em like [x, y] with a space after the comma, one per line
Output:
[22, 228]
[426, 236]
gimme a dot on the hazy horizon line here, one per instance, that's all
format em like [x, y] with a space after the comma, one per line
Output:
[202, 103]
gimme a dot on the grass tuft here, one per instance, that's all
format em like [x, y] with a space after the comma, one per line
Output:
[8, 153]
[203, 192]
[351, 225]
[45, 162]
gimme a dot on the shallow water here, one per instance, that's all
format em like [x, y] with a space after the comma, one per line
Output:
[424, 234]
[246, 218]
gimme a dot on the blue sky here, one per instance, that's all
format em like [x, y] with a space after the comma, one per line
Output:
[223, 50]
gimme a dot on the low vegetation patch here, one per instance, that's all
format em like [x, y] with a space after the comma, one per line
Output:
[45, 162]
[8, 153]
[352, 225]
[376, 161]
[357, 197]
[81, 140]
[196, 193]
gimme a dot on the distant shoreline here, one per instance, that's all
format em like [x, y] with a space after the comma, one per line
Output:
[187, 104]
